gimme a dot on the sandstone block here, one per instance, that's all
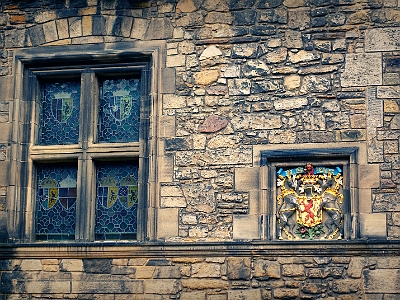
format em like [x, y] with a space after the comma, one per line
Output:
[159, 29]
[382, 281]
[373, 225]
[167, 225]
[31, 265]
[246, 227]
[206, 270]
[253, 294]
[237, 87]
[206, 77]
[72, 265]
[346, 285]
[104, 284]
[293, 270]
[173, 101]
[382, 39]
[265, 269]
[285, 293]
[388, 92]
[362, 69]
[203, 283]
[238, 268]
[290, 103]
[144, 272]
[244, 50]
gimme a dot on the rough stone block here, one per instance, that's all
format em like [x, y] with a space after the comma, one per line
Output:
[238, 268]
[382, 281]
[362, 69]
[265, 269]
[388, 92]
[97, 265]
[31, 265]
[206, 270]
[382, 39]
[253, 294]
[373, 225]
[161, 286]
[204, 283]
[50, 31]
[144, 272]
[246, 227]
[105, 284]
[72, 265]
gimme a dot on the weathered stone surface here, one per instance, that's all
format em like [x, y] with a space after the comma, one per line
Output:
[362, 70]
[382, 281]
[303, 56]
[237, 87]
[290, 103]
[382, 39]
[238, 268]
[266, 269]
[97, 265]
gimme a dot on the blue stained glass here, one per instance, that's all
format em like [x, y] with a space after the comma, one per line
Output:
[119, 112]
[59, 115]
[56, 201]
[116, 200]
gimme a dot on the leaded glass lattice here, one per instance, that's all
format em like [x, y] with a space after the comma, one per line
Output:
[56, 201]
[59, 114]
[116, 201]
[119, 111]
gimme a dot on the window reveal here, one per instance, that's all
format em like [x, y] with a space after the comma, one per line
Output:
[309, 202]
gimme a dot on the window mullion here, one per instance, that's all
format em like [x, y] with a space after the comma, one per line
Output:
[85, 211]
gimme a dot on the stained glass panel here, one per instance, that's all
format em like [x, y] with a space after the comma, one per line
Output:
[116, 201]
[56, 201]
[119, 111]
[59, 115]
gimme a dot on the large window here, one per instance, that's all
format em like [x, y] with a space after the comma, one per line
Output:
[85, 144]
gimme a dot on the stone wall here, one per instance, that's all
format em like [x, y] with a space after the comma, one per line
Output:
[238, 77]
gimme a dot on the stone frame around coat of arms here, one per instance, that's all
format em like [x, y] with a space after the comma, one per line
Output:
[310, 194]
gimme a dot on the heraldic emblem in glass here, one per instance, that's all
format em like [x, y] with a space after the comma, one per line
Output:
[309, 203]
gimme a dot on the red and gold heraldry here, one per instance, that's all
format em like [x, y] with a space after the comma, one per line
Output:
[309, 203]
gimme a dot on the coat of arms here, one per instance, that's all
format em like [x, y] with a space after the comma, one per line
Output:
[310, 203]
[62, 106]
[109, 192]
[51, 191]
